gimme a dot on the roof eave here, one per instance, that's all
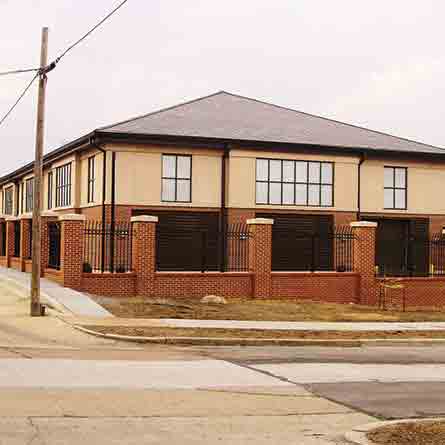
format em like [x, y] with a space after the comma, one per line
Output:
[49, 157]
[210, 142]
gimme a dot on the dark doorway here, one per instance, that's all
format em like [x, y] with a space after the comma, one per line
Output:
[402, 246]
[186, 241]
[301, 242]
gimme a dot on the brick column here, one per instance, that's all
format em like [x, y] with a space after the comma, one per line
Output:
[10, 220]
[71, 249]
[46, 217]
[260, 256]
[144, 253]
[25, 238]
[364, 260]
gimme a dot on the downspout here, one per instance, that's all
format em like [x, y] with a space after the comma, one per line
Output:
[104, 189]
[223, 216]
[113, 208]
[362, 159]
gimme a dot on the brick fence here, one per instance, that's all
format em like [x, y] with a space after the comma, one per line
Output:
[358, 286]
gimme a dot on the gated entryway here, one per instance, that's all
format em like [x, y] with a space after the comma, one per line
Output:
[402, 246]
[186, 241]
[301, 242]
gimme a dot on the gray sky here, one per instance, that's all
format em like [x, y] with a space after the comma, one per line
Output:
[375, 63]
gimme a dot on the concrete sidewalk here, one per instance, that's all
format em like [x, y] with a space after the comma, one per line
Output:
[262, 325]
[58, 296]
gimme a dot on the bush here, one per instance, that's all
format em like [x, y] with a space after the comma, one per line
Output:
[87, 268]
[121, 269]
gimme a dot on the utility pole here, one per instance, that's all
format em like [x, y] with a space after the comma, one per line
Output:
[36, 310]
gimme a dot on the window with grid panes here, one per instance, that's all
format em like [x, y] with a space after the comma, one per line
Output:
[395, 188]
[176, 178]
[8, 197]
[288, 182]
[29, 195]
[63, 185]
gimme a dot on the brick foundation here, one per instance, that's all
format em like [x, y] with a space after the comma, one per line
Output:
[15, 263]
[196, 284]
[109, 285]
[419, 291]
[331, 287]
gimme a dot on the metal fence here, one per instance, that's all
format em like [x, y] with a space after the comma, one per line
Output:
[54, 245]
[329, 251]
[203, 250]
[107, 248]
[411, 256]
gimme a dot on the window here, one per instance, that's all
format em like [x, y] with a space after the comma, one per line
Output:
[63, 185]
[176, 178]
[395, 186]
[285, 182]
[8, 196]
[29, 195]
[91, 179]
[50, 190]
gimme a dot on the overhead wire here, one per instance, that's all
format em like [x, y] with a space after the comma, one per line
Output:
[19, 99]
[7, 73]
[77, 42]
[51, 66]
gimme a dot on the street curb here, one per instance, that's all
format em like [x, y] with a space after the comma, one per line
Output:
[234, 341]
[358, 435]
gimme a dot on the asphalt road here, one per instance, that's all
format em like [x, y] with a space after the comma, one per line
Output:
[109, 392]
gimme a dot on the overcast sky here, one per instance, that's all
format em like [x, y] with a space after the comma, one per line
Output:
[375, 63]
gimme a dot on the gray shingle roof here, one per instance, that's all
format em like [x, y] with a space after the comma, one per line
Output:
[228, 116]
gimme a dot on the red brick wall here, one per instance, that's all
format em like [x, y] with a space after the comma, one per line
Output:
[419, 291]
[54, 275]
[109, 285]
[364, 261]
[330, 287]
[144, 256]
[197, 284]
[344, 218]
[15, 263]
[71, 253]
[260, 258]
[27, 266]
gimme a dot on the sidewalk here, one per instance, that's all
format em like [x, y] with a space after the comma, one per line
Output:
[57, 295]
[262, 325]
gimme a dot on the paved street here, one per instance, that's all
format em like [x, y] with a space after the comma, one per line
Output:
[59, 385]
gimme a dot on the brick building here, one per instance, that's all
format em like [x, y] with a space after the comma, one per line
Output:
[224, 158]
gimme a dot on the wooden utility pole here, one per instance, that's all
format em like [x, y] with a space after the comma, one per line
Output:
[37, 187]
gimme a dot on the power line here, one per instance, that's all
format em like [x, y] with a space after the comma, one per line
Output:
[91, 30]
[19, 99]
[6, 73]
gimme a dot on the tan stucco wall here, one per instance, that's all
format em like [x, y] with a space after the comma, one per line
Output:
[425, 184]
[242, 170]
[138, 176]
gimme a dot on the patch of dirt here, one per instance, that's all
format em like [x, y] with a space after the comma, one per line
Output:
[270, 310]
[258, 333]
[413, 433]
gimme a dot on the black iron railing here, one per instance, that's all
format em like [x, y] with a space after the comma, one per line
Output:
[411, 256]
[107, 248]
[54, 245]
[204, 250]
[17, 235]
[313, 251]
